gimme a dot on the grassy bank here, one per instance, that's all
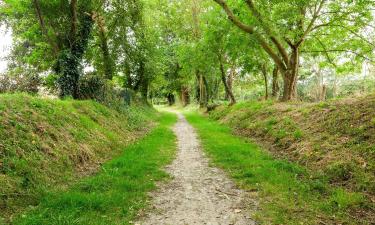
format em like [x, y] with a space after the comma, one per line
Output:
[47, 144]
[118, 191]
[335, 139]
[288, 193]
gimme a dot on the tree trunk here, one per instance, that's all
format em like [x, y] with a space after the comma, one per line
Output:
[43, 27]
[107, 60]
[144, 89]
[230, 81]
[275, 82]
[143, 81]
[185, 96]
[171, 99]
[323, 93]
[290, 76]
[71, 55]
[264, 72]
[201, 90]
[228, 90]
[208, 92]
[74, 22]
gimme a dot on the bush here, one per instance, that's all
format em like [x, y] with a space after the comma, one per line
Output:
[92, 87]
[20, 81]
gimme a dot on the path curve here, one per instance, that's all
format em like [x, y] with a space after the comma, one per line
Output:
[198, 193]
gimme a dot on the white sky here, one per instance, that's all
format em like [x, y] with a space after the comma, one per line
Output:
[5, 45]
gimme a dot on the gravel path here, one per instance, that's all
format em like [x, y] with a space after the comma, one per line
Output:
[198, 193]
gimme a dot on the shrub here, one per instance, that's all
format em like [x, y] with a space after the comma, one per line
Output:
[20, 81]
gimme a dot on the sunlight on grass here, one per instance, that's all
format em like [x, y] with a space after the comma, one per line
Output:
[288, 194]
[116, 193]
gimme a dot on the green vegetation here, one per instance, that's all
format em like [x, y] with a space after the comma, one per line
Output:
[48, 143]
[335, 138]
[288, 193]
[271, 70]
[194, 50]
[116, 193]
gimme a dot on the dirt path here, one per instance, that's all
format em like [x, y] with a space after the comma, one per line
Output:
[198, 194]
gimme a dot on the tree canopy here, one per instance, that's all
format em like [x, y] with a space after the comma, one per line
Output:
[203, 51]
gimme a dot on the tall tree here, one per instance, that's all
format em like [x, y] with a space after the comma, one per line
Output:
[301, 20]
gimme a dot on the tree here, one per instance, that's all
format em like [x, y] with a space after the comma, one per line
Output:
[300, 21]
[74, 45]
[53, 34]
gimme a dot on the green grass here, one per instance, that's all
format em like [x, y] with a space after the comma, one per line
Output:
[52, 143]
[116, 193]
[288, 193]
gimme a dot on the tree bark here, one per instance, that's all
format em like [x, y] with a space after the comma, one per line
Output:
[275, 82]
[264, 72]
[144, 89]
[74, 22]
[230, 80]
[171, 99]
[290, 76]
[202, 90]
[43, 27]
[228, 91]
[185, 96]
[207, 92]
[107, 60]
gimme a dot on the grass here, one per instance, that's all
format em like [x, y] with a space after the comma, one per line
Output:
[335, 139]
[116, 193]
[288, 193]
[49, 143]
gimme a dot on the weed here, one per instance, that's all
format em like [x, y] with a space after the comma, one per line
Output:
[297, 134]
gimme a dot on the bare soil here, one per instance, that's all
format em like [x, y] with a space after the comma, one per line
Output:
[198, 193]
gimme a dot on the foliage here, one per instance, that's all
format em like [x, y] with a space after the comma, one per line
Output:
[191, 50]
[20, 81]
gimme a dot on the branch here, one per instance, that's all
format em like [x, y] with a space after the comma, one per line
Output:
[74, 21]
[234, 19]
[341, 50]
[326, 52]
[356, 34]
[251, 30]
[43, 27]
[277, 43]
[313, 20]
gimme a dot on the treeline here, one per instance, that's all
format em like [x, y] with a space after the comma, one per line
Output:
[280, 45]
[78, 48]
[194, 50]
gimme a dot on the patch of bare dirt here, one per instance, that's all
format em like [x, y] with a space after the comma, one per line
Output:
[198, 193]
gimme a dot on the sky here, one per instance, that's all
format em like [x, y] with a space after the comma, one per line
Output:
[5, 45]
